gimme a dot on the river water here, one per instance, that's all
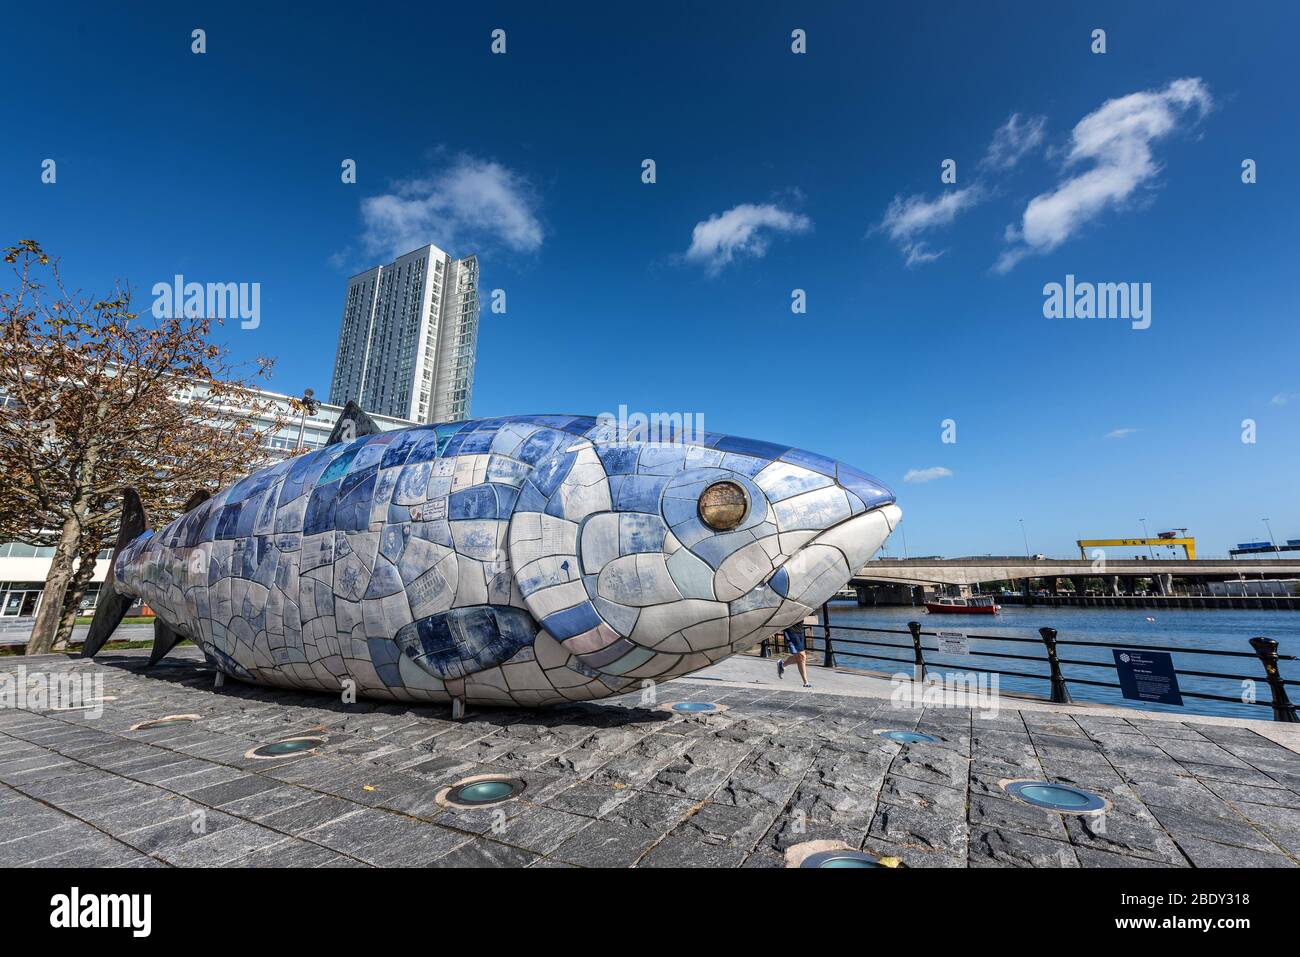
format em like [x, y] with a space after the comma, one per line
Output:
[1219, 629]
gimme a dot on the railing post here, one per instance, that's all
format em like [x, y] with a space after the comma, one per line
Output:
[828, 657]
[1283, 709]
[1060, 693]
[915, 628]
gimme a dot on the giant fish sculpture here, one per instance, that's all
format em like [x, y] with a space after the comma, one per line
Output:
[524, 560]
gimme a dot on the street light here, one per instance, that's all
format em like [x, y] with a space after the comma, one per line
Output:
[310, 406]
[1024, 536]
[1147, 535]
[1270, 534]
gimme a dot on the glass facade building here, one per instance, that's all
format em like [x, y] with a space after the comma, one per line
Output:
[408, 338]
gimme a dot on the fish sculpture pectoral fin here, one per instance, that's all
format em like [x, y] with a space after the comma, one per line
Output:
[112, 604]
[165, 638]
[462, 641]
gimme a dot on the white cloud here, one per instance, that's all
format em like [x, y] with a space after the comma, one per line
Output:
[927, 475]
[1116, 138]
[1121, 433]
[743, 230]
[1282, 398]
[906, 219]
[1013, 140]
[468, 205]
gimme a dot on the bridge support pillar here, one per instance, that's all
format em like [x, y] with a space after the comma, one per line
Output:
[1165, 584]
[1114, 584]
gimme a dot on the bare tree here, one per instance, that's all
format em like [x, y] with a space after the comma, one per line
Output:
[97, 399]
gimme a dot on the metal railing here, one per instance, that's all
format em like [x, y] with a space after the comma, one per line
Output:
[1264, 650]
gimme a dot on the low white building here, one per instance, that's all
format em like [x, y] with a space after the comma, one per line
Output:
[23, 568]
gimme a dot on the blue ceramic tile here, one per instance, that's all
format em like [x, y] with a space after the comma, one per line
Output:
[477, 442]
[384, 580]
[618, 459]
[549, 474]
[352, 511]
[530, 499]
[411, 484]
[639, 493]
[638, 532]
[319, 516]
[383, 655]
[338, 468]
[571, 621]
[542, 445]
[754, 447]
[871, 490]
[781, 582]
[477, 502]
[507, 495]
[425, 448]
[811, 460]
[744, 464]
[399, 449]
[228, 523]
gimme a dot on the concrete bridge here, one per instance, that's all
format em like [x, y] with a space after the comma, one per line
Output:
[1020, 569]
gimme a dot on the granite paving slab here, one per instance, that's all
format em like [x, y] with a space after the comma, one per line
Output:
[619, 783]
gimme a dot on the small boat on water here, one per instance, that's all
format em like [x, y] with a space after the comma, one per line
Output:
[975, 605]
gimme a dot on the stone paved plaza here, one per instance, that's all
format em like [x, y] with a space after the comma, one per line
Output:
[615, 784]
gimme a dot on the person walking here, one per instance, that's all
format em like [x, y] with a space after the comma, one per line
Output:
[794, 641]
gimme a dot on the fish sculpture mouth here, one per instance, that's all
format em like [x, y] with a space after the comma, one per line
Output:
[521, 561]
[856, 539]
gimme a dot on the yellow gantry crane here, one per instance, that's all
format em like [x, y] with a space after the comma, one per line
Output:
[1167, 538]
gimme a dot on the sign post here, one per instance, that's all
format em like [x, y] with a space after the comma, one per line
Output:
[1147, 676]
[953, 642]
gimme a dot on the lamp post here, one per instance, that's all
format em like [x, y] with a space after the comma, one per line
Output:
[1024, 536]
[1147, 535]
[310, 406]
[1271, 539]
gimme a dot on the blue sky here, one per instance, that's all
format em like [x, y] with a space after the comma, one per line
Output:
[225, 167]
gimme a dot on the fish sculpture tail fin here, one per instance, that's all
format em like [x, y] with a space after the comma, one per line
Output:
[112, 605]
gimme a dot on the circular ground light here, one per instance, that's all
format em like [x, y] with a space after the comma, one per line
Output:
[481, 791]
[164, 722]
[287, 748]
[908, 737]
[841, 859]
[1056, 797]
[693, 707]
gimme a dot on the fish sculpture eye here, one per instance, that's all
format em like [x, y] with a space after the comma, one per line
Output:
[723, 506]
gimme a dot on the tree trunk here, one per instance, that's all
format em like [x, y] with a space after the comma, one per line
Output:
[76, 591]
[41, 641]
